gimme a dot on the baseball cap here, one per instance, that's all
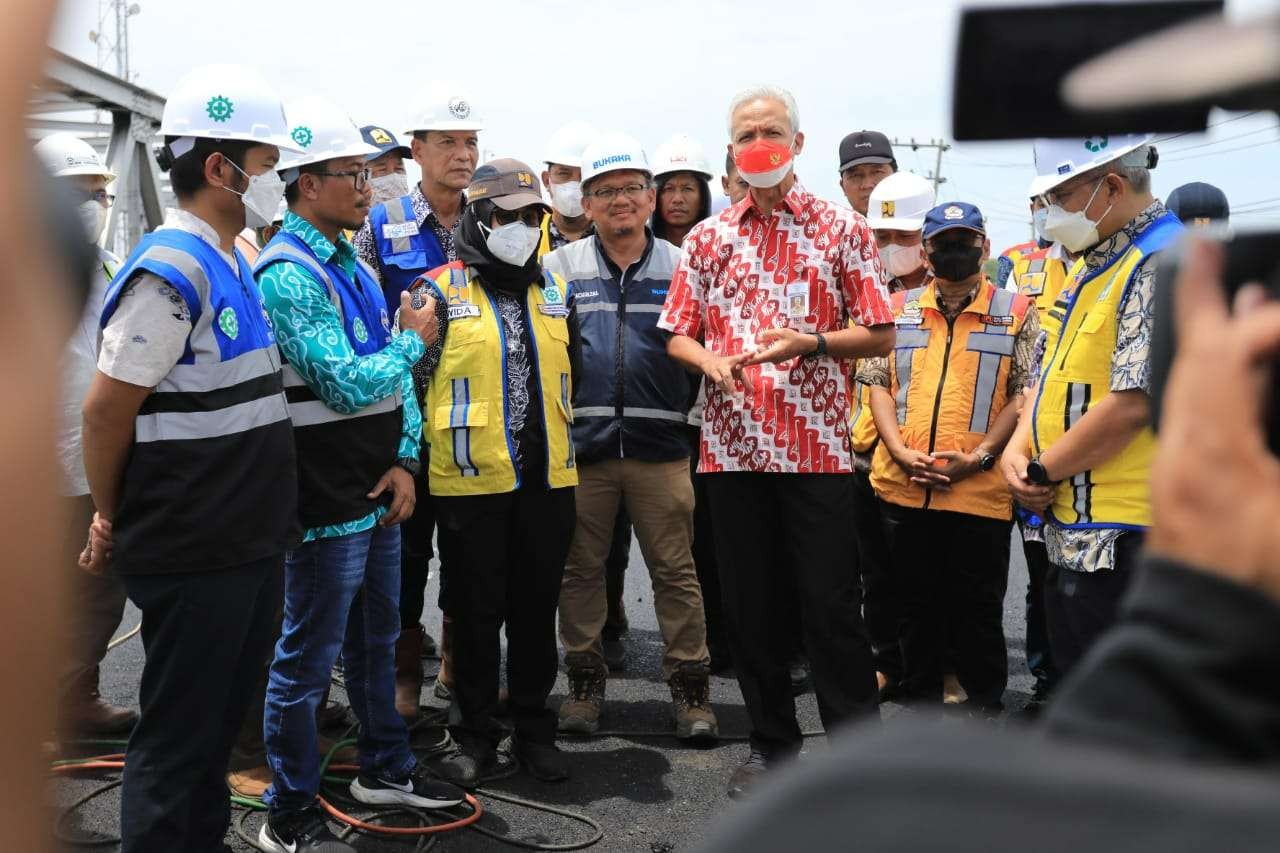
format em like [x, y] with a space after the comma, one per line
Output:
[384, 140]
[952, 215]
[508, 183]
[1199, 204]
[865, 146]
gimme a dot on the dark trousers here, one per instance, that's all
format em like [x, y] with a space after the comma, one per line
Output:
[416, 553]
[954, 568]
[615, 576]
[881, 590]
[789, 534]
[1039, 656]
[97, 605]
[704, 559]
[205, 634]
[1080, 606]
[505, 561]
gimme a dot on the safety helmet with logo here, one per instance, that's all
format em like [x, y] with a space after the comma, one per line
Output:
[900, 202]
[447, 110]
[613, 152]
[322, 131]
[681, 153]
[225, 102]
[64, 154]
[1059, 160]
[566, 144]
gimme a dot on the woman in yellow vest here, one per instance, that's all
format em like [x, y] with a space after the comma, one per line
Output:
[497, 415]
[944, 404]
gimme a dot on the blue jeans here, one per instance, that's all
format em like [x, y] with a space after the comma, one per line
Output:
[349, 585]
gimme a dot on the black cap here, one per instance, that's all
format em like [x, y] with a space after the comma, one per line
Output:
[866, 146]
[1199, 204]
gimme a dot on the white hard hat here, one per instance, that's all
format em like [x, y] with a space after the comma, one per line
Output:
[1059, 160]
[613, 152]
[566, 144]
[449, 111]
[900, 202]
[1039, 184]
[681, 153]
[65, 154]
[322, 131]
[226, 102]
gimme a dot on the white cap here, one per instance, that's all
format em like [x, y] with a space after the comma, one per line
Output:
[225, 102]
[613, 152]
[1059, 160]
[566, 144]
[446, 111]
[900, 202]
[681, 153]
[65, 154]
[322, 131]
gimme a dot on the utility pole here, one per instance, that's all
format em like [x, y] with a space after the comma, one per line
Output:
[939, 144]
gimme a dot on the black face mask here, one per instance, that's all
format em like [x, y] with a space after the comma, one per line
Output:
[956, 262]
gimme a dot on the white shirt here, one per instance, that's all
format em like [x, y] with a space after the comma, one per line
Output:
[77, 368]
[148, 332]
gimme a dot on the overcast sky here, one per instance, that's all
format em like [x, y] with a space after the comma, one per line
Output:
[653, 69]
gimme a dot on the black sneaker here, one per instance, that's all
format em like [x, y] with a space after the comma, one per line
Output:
[302, 831]
[419, 790]
[748, 775]
[800, 676]
[544, 761]
[448, 762]
[615, 653]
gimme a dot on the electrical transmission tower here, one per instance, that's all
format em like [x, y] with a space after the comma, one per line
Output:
[112, 35]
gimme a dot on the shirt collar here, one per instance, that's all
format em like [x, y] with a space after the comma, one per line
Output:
[185, 220]
[320, 245]
[931, 298]
[796, 200]
[1106, 251]
[419, 200]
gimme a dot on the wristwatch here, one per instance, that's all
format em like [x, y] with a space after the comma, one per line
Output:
[408, 463]
[821, 349]
[986, 461]
[1037, 473]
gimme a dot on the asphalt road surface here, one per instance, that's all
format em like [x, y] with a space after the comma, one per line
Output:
[649, 793]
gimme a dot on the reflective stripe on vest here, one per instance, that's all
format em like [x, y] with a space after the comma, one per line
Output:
[398, 215]
[995, 345]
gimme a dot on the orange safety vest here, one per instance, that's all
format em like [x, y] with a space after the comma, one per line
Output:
[950, 383]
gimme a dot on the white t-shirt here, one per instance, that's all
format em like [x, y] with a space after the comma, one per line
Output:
[79, 358]
[148, 332]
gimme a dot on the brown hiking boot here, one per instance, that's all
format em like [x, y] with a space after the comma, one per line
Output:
[691, 703]
[252, 782]
[84, 711]
[409, 672]
[580, 712]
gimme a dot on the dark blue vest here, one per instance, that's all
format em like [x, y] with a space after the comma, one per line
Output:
[405, 250]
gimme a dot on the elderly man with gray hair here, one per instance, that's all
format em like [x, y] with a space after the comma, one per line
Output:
[1081, 456]
[772, 301]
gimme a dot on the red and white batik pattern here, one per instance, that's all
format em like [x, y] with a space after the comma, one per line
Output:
[810, 265]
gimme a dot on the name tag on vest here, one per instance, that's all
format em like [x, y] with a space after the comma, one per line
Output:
[914, 320]
[997, 319]
[556, 310]
[397, 230]
[463, 309]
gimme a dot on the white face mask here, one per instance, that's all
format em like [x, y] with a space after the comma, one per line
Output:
[261, 198]
[389, 187]
[901, 260]
[1075, 231]
[566, 198]
[771, 178]
[1037, 221]
[94, 218]
[512, 243]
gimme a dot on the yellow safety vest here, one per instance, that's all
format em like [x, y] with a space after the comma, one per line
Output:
[862, 427]
[950, 382]
[544, 244]
[1039, 277]
[1077, 376]
[466, 407]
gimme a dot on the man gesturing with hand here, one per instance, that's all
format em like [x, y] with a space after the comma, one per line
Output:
[771, 301]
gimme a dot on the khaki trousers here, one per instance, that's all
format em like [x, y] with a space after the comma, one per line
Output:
[659, 498]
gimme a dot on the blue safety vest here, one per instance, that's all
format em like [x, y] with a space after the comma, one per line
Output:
[405, 250]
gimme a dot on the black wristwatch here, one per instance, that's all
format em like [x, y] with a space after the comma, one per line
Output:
[413, 466]
[1037, 473]
[986, 461]
[822, 346]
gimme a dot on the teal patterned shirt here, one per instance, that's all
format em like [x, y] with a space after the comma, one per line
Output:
[310, 334]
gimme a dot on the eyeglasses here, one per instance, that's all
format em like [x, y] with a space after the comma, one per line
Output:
[102, 197]
[531, 216]
[1058, 195]
[632, 191]
[359, 179]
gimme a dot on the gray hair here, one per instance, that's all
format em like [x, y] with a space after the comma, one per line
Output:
[1133, 167]
[770, 93]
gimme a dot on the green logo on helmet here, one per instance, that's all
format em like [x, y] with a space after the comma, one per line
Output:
[220, 108]
[361, 333]
[228, 323]
[302, 136]
[1096, 143]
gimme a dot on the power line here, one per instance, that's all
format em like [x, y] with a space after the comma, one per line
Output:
[1271, 128]
[1215, 124]
[941, 146]
[1223, 151]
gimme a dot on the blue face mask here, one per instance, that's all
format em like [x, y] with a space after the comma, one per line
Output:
[1037, 220]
